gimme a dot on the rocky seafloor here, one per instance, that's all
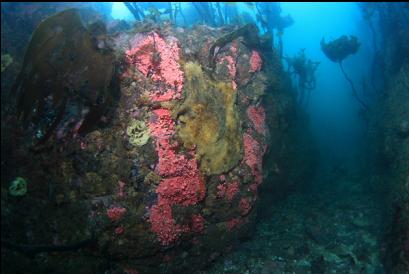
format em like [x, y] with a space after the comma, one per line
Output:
[320, 231]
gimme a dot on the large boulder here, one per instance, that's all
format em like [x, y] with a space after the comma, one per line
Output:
[141, 151]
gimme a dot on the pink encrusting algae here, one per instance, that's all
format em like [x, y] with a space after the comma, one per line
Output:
[231, 65]
[257, 116]
[161, 124]
[235, 222]
[185, 190]
[230, 62]
[228, 190]
[121, 189]
[168, 158]
[221, 190]
[255, 61]
[116, 213]
[253, 152]
[253, 157]
[181, 182]
[160, 59]
[182, 185]
[163, 224]
[119, 230]
[198, 223]
[244, 206]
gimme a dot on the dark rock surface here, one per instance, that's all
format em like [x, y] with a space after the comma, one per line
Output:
[139, 154]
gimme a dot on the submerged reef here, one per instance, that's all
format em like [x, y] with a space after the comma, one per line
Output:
[209, 121]
[145, 147]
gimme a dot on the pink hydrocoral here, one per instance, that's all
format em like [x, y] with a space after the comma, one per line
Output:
[168, 158]
[182, 185]
[221, 190]
[257, 116]
[141, 55]
[184, 190]
[198, 223]
[233, 223]
[230, 62]
[181, 182]
[119, 230]
[171, 163]
[253, 156]
[161, 124]
[234, 48]
[228, 190]
[255, 61]
[121, 189]
[159, 58]
[163, 224]
[116, 213]
[244, 206]
[231, 65]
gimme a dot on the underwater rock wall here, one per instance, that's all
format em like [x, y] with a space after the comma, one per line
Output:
[393, 156]
[149, 162]
[390, 123]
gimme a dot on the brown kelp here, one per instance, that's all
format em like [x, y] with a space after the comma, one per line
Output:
[67, 77]
[339, 49]
[304, 69]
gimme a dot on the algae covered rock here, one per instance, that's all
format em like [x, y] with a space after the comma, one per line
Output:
[163, 173]
[209, 120]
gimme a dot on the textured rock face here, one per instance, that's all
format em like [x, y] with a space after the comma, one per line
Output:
[393, 155]
[167, 182]
[209, 120]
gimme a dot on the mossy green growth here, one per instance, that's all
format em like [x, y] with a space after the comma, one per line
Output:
[6, 60]
[138, 132]
[209, 120]
[18, 187]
